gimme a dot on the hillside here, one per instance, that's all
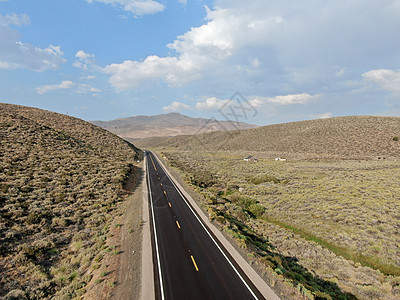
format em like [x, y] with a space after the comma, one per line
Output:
[355, 137]
[61, 182]
[171, 124]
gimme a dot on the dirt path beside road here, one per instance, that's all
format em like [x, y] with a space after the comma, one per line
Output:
[130, 259]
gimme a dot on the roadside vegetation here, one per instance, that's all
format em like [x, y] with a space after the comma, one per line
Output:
[62, 181]
[329, 227]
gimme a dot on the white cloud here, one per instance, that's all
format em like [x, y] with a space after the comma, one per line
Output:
[15, 54]
[326, 115]
[199, 49]
[82, 88]
[388, 80]
[177, 106]
[82, 55]
[14, 19]
[283, 100]
[79, 88]
[85, 61]
[137, 7]
[47, 88]
[213, 103]
[210, 104]
[184, 2]
[130, 74]
[272, 47]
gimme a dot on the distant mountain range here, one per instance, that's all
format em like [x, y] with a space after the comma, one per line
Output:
[164, 125]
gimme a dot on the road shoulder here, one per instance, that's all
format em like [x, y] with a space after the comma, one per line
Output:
[131, 238]
[147, 280]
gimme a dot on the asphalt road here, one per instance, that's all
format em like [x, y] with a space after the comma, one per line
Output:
[190, 263]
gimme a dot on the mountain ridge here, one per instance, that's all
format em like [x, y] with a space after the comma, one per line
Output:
[171, 124]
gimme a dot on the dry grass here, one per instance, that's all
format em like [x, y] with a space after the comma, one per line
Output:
[357, 137]
[339, 218]
[61, 182]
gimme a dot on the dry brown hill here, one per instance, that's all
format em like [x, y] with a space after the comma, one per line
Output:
[354, 137]
[61, 182]
[171, 124]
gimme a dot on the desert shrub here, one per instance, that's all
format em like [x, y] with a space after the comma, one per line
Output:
[45, 179]
[264, 178]
[257, 210]
[396, 138]
[16, 294]
[59, 221]
[4, 187]
[321, 295]
[243, 201]
[42, 246]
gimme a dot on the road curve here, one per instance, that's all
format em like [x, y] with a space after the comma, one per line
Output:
[190, 263]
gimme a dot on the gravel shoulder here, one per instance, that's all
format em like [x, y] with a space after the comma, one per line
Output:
[130, 258]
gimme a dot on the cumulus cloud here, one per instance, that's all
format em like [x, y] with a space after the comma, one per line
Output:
[15, 54]
[79, 88]
[212, 103]
[47, 88]
[137, 7]
[388, 80]
[283, 100]
[130, 74]
[272, 47]
[197, 50]
[84, 61]
[83, 56]
[176, 107]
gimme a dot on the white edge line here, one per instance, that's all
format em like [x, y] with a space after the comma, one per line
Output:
[223, 253]
[155, 235]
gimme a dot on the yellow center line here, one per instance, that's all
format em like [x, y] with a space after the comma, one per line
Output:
[153, 163]
[169, 203]
[161, 184]
[165, 193]
[177, 223]
[194, 262]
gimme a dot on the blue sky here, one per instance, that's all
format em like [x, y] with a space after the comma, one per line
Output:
[292, 60]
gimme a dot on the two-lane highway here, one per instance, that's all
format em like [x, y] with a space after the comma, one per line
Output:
[190, 262]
